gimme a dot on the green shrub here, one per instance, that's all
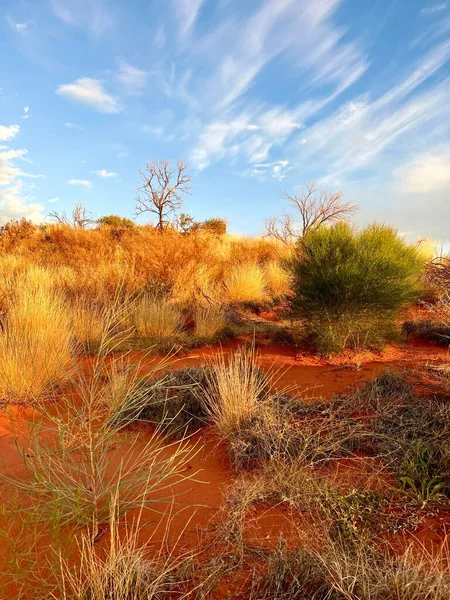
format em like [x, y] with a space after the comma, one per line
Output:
[350, 286]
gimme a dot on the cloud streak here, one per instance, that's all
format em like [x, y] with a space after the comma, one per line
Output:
[91, 93]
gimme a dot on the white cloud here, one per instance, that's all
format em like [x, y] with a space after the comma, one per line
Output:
[70, 125]
[187, 12]
[26, 112]
[22, 26]
[14, 206]
[358, 133]
[56, 199]
[90, 14]
[425, 174]
[249, 136]
[277, 169]
[82, 182]
[8, 132]
[132, 79]
[435, 8]
[242, 48]
[105, 174]
[91, 93]
[14, 203]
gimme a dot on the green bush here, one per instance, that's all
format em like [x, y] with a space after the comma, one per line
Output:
[350, 286]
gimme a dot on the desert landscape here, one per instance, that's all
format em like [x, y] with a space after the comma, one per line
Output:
[224, 300]
[191, 414]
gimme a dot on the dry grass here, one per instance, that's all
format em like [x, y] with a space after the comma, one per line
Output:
[245, 283]
[154, 317]
[235, 388]
[277, 278]
[122, 571]
[35, 342]
[76, 462]
[209, 321]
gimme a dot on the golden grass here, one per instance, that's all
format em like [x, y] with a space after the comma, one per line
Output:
[236, 387]
[35, 342]
[153, 317]
[86, 323]
[277, 278]
[209, 321]
[245, 283]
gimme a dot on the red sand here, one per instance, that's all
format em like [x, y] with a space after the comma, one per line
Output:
[185, 523]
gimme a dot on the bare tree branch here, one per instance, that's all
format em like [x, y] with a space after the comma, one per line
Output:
[314, 207]
[80, 217]
[161, 191]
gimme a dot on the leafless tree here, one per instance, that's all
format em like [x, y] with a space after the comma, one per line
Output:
[313, 207]
[161, 191]
[80, 217]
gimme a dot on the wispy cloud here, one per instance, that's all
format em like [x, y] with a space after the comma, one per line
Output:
[95, 16]
[357, 134]
[26, 112]
[131, 79]
[435, 8]
[8, 132]
[187, 13]
[90, 92]
[70, 125]
[249, 136]
[22, 27]
[81, 182]
[51, 200]
[277, 170]
[105, 174]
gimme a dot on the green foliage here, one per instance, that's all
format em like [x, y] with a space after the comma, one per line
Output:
[216, 226]
[350, 286]
[116, 222]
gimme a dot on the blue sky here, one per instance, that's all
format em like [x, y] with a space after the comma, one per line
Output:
[257, 96]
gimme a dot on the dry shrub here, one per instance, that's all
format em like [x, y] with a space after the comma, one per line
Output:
[246, 283]
[35, 342]
[277, 278]
[209, 321]
[154, 317]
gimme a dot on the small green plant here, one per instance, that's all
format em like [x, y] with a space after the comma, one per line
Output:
[421, 477]
[350, 286]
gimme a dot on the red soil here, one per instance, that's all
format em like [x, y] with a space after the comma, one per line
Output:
[196, 502]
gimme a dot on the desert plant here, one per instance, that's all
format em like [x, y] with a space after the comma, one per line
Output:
[209, 321]
[350, 286]
[74, 461]
[245, 283]
[154, 317]
[277, 278]
[172, 401]
[35, 340]
[235, 387]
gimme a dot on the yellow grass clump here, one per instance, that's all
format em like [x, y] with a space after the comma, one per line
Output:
[153, 317]
[35, 341]
[236, 387]
[246, 283]
[209, 321]
[277, 278]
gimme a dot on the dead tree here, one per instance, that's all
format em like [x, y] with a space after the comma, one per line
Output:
[313, 208]
[161, 191]
[79, 219]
